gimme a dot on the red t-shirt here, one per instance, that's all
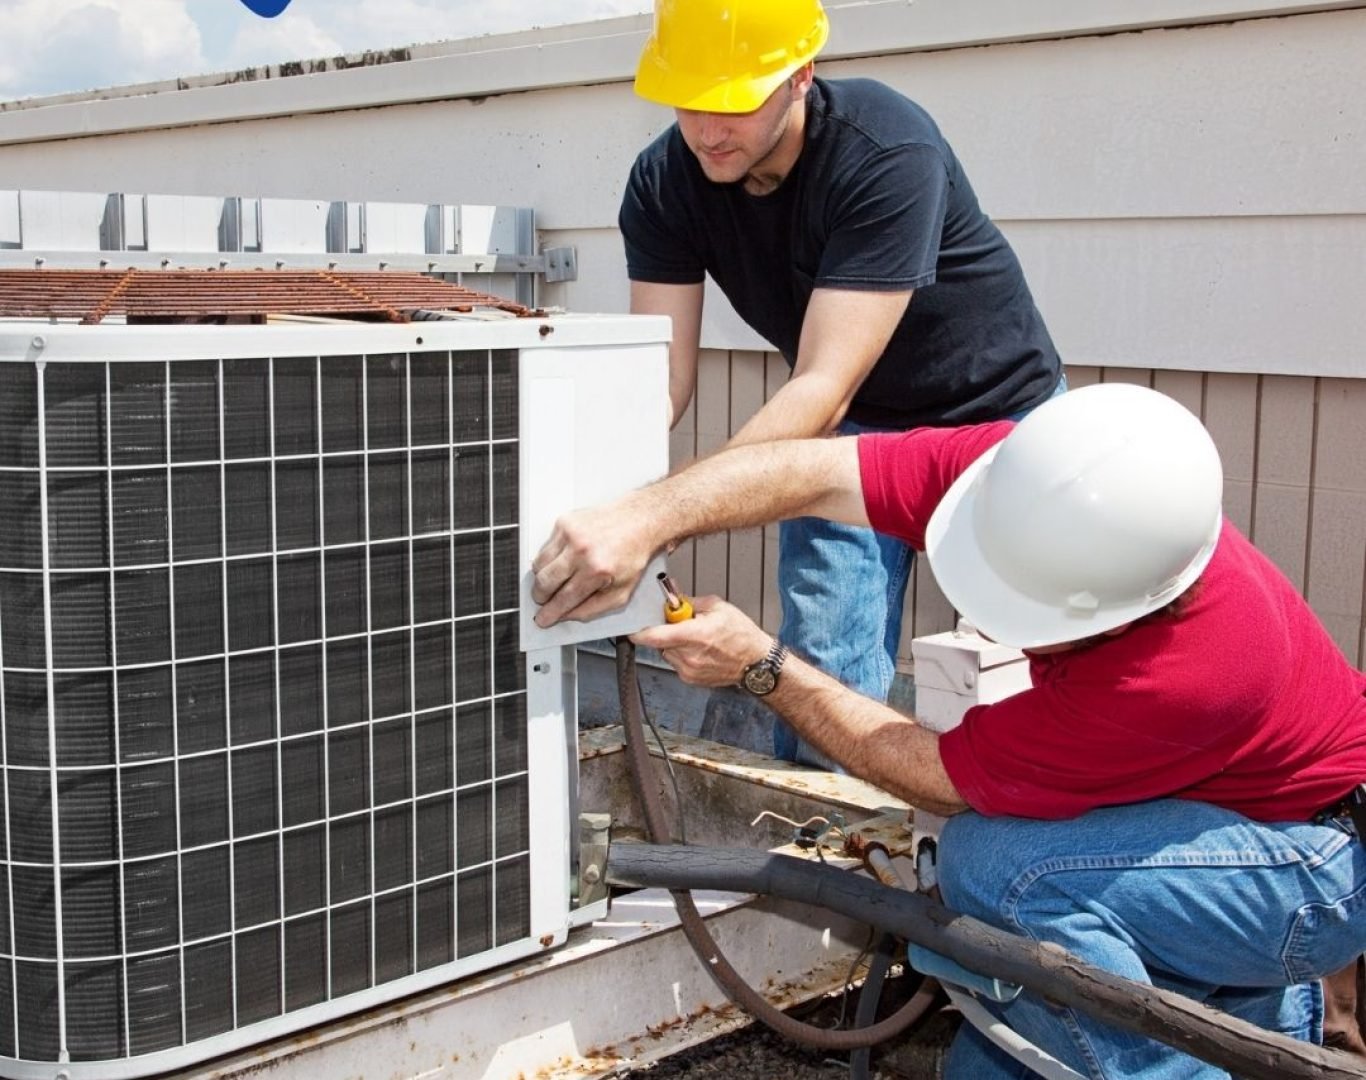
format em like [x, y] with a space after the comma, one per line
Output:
[1244, 701]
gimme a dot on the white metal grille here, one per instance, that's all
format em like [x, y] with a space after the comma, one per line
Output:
[258, 623]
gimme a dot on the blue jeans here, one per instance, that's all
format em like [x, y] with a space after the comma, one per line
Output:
[1241, 915]
[843, 588]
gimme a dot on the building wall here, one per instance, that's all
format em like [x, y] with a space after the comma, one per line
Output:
[1293, 449]
[1183, 187]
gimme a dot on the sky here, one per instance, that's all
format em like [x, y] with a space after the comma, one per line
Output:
[56, 46]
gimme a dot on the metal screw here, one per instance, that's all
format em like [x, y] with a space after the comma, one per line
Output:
[39, 342]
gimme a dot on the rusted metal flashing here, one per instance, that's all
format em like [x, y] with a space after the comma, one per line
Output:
[181, 295]
[111, 298]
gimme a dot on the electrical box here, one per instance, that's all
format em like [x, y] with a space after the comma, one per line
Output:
[959, 669]
[953, 672]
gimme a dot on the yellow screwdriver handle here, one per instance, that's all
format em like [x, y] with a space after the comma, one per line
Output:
[681, 613]
[677, 607]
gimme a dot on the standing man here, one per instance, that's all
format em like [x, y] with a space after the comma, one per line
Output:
[1177, 797]
[836, 219]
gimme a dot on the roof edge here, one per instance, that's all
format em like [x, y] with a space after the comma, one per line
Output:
[577, 54]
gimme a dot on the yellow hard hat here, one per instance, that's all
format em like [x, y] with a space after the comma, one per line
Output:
[727, 56]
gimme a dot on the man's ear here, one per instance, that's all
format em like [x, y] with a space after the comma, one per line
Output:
[800, 80]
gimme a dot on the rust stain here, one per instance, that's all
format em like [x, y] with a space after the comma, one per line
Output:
[710, 762]
[597, 1056]
[547, 940]
[590, 1063]
[111, 298]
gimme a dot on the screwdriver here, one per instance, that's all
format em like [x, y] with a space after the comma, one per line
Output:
[677, 607]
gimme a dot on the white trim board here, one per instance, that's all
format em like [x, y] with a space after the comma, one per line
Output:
[603, 51]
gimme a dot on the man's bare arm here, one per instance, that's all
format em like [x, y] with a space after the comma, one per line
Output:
[871, 740]
[594, 557]
[683, 305]
[843, 335]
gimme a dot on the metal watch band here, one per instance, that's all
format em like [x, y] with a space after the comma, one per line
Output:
[777, 655]
[760, 677]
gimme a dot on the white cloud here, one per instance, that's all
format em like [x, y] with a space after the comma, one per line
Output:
[54, 46]
[291, 36]
[404, 22]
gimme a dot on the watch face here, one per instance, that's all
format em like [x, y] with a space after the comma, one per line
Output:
[760, 679]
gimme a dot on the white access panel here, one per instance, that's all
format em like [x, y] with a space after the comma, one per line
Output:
[183, 222]
[395, 227]
[10, 235]
[62, 220]
[492, 230]
[591, 423]
[294, 225]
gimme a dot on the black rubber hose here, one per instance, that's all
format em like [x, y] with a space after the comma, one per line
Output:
[922, 1001]
[694, 929]
[860, 1061]
[926, 999]
[1044, 969]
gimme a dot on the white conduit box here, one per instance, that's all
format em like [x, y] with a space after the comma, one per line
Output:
[280, 741]
[959, 669]
[953, 672]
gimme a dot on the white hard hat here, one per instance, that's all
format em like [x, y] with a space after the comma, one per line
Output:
[1104, 504]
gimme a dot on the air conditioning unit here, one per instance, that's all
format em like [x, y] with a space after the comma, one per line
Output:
[280, 740]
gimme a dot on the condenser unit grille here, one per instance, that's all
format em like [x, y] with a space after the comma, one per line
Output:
[263, 704]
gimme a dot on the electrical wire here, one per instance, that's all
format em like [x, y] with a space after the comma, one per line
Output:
[679, 822]
[694, 929]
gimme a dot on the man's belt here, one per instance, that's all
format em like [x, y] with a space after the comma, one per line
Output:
[1351, 806]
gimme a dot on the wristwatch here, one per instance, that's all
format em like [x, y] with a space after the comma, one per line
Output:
[762, 676]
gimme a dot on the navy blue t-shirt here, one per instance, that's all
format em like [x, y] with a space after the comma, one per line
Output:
[877, 200]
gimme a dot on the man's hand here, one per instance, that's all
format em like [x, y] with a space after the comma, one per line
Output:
[591, 563]
[871, 740]
[713, 648]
